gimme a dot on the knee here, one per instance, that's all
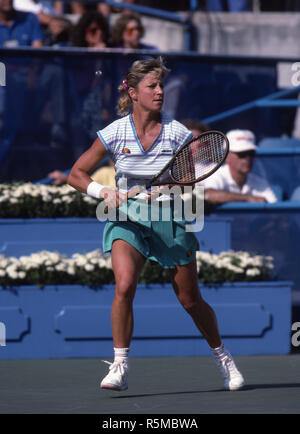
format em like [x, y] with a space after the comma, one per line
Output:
[125, 289]
[189, 303]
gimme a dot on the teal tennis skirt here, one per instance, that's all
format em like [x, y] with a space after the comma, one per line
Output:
[165, 242]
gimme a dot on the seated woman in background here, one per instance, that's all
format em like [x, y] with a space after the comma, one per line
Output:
[91, 31]
[128, 32]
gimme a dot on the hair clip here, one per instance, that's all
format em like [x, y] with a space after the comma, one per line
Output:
[124, 84]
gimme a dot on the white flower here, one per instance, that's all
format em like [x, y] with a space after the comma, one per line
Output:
[71, 270]
[34, 193]
[54, 257]
[81, 261]
[235, 269]
[253, 272]
[12, 274]
[4, 263]
[89, 267]
[17, 193]
[104, 263]
[67, 199]
[61, 267]
[30, 265]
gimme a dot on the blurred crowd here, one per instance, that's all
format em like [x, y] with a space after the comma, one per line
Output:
[60, 24]
[98, 25]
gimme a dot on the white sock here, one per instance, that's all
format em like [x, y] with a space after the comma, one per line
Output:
[219, 352]
[121, 355]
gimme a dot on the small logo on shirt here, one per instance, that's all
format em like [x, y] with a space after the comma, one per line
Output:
[126, 151]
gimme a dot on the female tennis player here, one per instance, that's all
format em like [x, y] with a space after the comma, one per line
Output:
[140, 143]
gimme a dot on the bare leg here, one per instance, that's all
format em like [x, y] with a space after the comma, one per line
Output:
[127, 264]
[185, 284]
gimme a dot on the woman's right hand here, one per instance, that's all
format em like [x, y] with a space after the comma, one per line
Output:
[112, 198]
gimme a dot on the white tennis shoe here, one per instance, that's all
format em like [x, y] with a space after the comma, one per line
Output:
[233, 379]
[117, 378]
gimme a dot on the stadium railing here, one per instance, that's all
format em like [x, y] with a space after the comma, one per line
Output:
[272, 100]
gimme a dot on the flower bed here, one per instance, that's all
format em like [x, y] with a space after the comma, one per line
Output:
[95, 269]
[44, 201]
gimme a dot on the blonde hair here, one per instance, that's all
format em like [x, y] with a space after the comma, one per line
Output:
[139, 69]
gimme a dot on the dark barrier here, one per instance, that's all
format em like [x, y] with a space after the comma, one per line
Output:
[282, 172]
[53, 103]
[268, 229]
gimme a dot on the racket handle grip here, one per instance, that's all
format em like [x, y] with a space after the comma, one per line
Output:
[134, 191]
[131, 193]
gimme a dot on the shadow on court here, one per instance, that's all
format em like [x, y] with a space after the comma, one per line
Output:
[174, 385]
[252, 387]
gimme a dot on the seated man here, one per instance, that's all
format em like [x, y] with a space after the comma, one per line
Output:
[18, 28]
[234, 182]
[105, 175]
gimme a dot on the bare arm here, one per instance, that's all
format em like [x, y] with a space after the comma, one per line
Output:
[218, 197]
[79, 177]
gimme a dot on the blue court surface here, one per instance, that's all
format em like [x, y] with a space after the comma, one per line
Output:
[157, 386]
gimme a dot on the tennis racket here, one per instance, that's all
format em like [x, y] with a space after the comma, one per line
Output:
[195, 161]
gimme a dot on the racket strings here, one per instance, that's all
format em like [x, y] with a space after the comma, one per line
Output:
[199, 158]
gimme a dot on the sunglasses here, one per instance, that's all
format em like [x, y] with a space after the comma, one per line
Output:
[92, 30]
[130, 30]
[245, 154]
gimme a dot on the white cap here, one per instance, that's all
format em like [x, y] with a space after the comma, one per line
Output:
[241, 141]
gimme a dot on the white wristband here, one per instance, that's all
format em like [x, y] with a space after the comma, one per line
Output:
[94, 189]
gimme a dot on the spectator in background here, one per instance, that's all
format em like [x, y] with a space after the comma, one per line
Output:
[233, 182]
[91, 31]
[77, 8]
[104, 175]
[93, 94]
[43, 9]
[128, 11]
[127, 33]
[18, 28]
[104, 9]
[58, 33]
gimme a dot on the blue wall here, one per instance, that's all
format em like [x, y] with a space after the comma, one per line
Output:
[74, 321]
[74, 235]
[268, 229]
